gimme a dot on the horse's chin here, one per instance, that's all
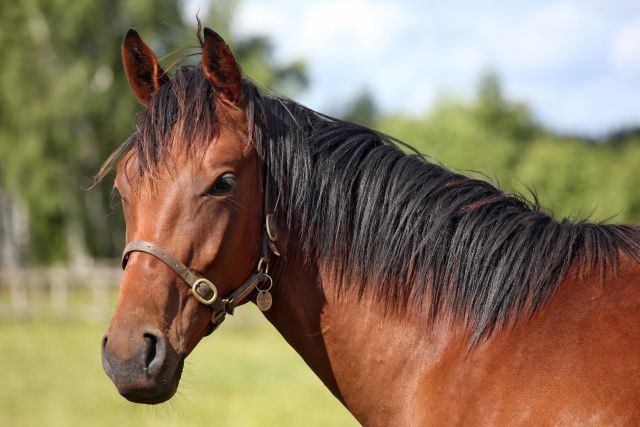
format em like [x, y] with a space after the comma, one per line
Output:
[158, 391]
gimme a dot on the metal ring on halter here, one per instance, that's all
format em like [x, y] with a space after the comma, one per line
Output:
[270, 284]
[204, 282]
[263, 265]
[271, 228]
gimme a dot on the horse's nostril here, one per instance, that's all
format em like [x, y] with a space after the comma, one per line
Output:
[105, 361]
[151, 341]
[154, 353]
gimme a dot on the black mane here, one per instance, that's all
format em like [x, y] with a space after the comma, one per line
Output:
[393, 224]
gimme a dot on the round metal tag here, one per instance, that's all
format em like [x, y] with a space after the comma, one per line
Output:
[264, 300]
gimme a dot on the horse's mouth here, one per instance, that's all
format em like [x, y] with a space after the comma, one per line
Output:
[161, 391]
[147, 390]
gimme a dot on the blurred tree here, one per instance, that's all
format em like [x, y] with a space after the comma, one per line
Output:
[624, 135]
[493, 110]
[362, 110]
[573, 176]
[65, 104]
[454, 133]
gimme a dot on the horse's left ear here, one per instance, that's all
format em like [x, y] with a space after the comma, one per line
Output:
[221, 69]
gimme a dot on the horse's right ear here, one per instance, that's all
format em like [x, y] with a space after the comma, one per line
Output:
[141, 65]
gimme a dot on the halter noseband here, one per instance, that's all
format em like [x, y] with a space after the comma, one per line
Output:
[202, 288]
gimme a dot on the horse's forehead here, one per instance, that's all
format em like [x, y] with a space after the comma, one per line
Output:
[222, 150]
[230, 141]
[125, 171]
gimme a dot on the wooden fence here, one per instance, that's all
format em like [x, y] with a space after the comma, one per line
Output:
[76, 291]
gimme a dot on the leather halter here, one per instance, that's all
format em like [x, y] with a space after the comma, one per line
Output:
[202, 288]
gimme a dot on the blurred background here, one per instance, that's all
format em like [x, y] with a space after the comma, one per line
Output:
[536, 96]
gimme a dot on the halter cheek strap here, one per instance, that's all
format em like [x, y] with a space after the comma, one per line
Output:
[202, 288]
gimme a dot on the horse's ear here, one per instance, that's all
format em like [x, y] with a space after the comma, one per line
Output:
[220, 68]
[141, 65]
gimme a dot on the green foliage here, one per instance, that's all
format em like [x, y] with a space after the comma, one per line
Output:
[243, 375]
[454, 135]
[362, 110]
[499, 115]
[65, 105]
[499, 140]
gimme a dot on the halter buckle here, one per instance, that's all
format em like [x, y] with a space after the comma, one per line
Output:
[202, 282]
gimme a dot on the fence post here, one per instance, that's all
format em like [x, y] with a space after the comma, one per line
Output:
[58, 278]
[18, 289]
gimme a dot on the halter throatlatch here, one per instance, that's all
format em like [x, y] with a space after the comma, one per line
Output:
[202, 288]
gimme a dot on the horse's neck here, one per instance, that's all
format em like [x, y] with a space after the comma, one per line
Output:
[362, 355]
[297, 313]
[403, 370]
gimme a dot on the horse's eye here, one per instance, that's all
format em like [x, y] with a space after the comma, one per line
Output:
[223, 185]
[116, 194]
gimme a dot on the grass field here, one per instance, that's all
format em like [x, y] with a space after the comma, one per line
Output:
[242, 375]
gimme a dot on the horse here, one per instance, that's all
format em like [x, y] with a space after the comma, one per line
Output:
[418, 295]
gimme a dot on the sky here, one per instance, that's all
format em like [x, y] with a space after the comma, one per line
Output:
[576, 63]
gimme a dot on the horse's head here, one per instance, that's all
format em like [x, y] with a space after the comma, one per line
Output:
[190, 183]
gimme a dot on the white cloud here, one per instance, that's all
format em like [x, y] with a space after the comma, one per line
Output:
[344, 43]
[546, 37]
[625, 49]
[329, 29]
[569, 59]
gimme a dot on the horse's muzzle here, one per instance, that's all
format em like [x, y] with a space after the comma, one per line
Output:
[144, 369]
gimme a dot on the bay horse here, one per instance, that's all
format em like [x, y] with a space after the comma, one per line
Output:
[419, 296]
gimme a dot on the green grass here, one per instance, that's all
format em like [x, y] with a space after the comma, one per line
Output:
[242, 375]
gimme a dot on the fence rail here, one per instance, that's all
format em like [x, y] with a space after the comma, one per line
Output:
[78, 291]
